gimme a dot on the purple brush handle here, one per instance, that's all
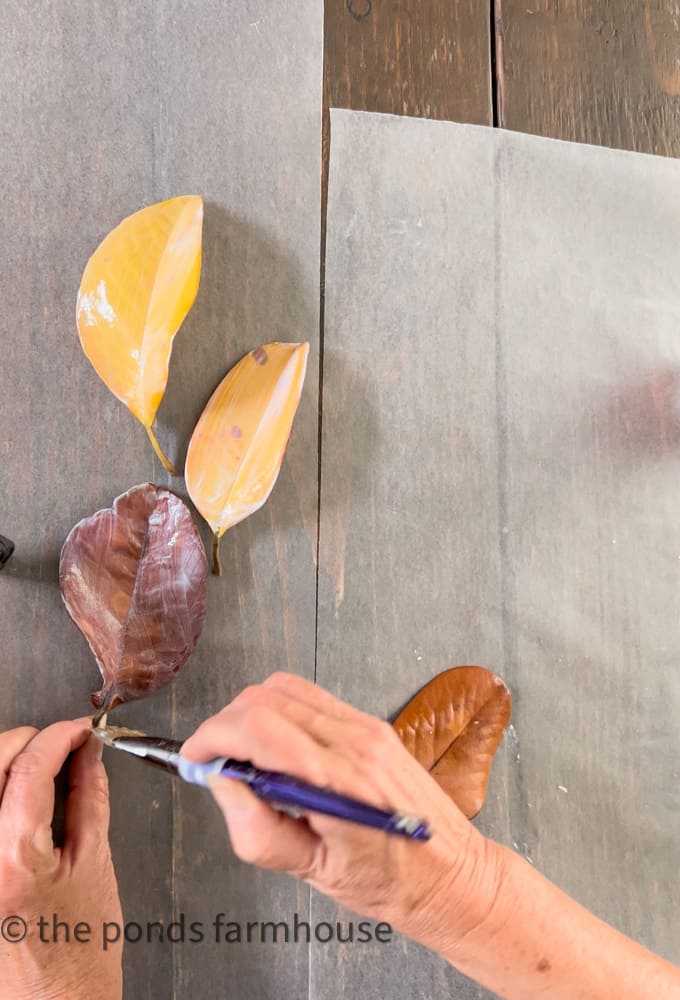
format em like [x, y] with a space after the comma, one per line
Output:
[293, 794]
[286, 791]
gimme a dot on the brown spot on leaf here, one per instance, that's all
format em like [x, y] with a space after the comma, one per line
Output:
[260, 355]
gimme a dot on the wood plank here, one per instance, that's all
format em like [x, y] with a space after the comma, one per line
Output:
[72, 168]
[606, 74]
[428, 58]
[591, 71]
[261, 283]
[586, 241]
[103, 110]
[410, 534]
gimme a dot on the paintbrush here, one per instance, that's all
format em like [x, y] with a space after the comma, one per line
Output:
[282, 791]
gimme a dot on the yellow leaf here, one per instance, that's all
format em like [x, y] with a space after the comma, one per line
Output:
[237, 447]
[135, 292]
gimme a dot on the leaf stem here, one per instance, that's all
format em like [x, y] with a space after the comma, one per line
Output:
[217, 564]
[167, 464]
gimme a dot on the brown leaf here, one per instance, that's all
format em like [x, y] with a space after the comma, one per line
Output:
[453, 727]
[133, 579]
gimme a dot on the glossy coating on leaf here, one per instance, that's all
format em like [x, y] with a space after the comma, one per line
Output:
[453, 727]
[133, 578]
[136, 289]
[237, 447]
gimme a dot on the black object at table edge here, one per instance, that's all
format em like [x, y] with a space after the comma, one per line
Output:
[6, 550]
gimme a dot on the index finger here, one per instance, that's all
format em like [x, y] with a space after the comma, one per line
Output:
[28, 799]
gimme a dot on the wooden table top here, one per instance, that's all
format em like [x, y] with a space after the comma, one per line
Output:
[583, 70]
[586, 70]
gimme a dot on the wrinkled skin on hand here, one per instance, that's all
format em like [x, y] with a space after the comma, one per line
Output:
[76, 882]
[291, 725]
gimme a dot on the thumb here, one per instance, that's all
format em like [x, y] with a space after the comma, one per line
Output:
[260, 834]
[87, 805]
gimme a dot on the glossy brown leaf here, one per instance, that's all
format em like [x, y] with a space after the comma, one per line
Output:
[453, 727]
[133, 578]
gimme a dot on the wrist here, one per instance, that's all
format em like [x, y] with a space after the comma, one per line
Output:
[506, 883]
[465, 874]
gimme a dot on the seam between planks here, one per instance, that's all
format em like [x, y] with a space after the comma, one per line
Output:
[496, 64]
[325, 161]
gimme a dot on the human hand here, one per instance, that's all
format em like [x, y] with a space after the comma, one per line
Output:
[478, 904]
[288, 724]
[76, 882]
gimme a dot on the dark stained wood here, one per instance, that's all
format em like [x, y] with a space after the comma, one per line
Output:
[73, 167]
[598, 71]
[105, 109]
[80, 149]
[428, 58]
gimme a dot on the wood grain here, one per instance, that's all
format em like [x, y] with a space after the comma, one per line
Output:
[591, 71]
[427, 58]
[410, 528]
[105, 109]
[260, 284]
[105, 112]
[68, 447]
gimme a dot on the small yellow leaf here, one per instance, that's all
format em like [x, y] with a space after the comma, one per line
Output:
[135, 292]
[237, 447]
